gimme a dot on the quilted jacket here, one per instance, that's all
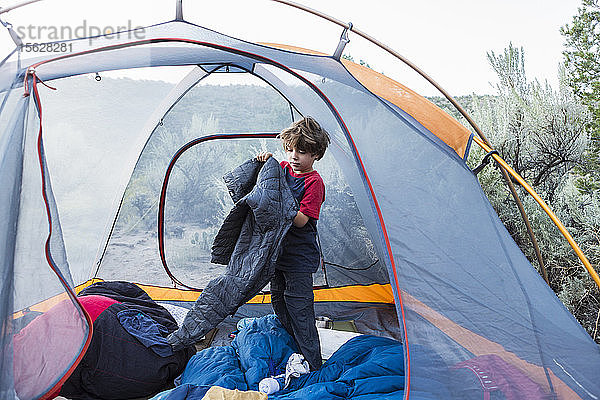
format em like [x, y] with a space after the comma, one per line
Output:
[248, 242]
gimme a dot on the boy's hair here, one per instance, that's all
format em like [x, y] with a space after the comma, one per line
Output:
[306, 135]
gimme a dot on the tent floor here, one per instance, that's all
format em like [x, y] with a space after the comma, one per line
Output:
[368, 318]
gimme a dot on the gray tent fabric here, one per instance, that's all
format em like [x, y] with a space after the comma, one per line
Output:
[11, 162]
[461, 286]
[248, 242]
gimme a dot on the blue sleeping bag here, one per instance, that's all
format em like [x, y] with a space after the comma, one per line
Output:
[263, 347]
[259, 350]
[364, 368]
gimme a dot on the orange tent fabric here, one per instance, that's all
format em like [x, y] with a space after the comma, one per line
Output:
[428, 114]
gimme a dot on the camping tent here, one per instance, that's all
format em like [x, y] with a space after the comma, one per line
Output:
[406, 230]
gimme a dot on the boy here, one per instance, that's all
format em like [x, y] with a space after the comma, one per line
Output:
[292, 297]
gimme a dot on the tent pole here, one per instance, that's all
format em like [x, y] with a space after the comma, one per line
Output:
[10, 8]
[451, 100]
[536, 247]
[547, 209]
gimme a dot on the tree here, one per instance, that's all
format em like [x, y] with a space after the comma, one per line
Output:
[544, 135]
[361, 61]
[582, 53]
[540, 131]
[582, 62]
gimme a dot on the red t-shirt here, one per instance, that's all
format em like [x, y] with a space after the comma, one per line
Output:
[307, 188]
[300, 250]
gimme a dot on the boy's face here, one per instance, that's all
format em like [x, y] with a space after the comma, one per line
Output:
[300, 161]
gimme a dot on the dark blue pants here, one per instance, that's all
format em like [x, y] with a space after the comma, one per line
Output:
[293, 302]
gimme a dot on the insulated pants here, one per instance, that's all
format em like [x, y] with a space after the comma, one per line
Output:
[293, 302]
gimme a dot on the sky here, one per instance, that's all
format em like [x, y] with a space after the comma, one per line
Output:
[448, 40]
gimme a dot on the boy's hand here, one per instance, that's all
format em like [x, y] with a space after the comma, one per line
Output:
[300, 219]
[264, 156]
